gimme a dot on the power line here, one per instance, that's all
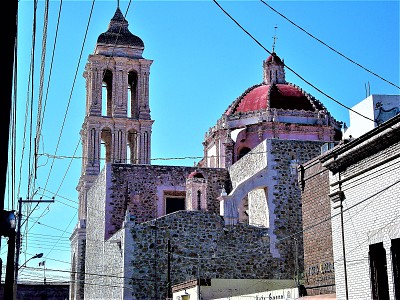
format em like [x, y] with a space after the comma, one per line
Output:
[42, 115]
[72, 89]
[69, 99]
[297, 74]
[341, 54]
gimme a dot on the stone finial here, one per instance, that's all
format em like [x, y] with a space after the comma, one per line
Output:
[223, 192]
[129, 219]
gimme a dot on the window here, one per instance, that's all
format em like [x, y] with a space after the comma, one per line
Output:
[378, 271]
[132, 147]
[198, 200]
[106, 146]
[243, 152]
[173, 204]
[133, 105]
[395, 249]
[107, 93]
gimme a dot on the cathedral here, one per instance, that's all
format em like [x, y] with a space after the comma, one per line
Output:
[235, 215]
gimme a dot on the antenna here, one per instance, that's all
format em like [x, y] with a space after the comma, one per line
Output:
[275, 38]
[117, 3]
[367, 90]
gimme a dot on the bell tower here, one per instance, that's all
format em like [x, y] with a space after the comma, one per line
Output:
[117, 125]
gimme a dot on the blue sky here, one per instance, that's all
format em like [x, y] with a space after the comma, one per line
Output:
[202, 62]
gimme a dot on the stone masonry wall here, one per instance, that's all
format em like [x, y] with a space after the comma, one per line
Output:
[98, 270]
[138, 186]
[285, 197]
[319, 272]
[200, 247]
[39, 291]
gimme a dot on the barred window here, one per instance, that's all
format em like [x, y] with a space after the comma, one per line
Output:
[395, 249]
[378, 271]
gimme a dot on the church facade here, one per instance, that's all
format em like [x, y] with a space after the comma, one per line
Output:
[236, 215]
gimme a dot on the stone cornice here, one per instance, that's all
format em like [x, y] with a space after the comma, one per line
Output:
[366, 145]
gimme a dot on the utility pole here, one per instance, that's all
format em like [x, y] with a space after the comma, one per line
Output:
[296, 244]
[169, 293]
[154, 227]
[9, 282]
[198, 277]
[339, 196]
[342, 197]
[8, 38]
[7, 229]
[18, 240]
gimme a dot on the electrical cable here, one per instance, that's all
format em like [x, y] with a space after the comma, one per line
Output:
[290, 69]
[42, 114]
[69, 99]
[331, 48]
[71, 92]
[41, 82]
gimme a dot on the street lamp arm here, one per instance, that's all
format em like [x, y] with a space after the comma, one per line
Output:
[39, 255]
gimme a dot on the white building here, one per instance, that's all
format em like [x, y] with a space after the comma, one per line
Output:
[379, 108]
[365, 210]
[236, 289]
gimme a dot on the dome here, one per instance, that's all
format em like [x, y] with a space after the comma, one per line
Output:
[274, 93]
[278, 96]
[119, 34]
[196, 174]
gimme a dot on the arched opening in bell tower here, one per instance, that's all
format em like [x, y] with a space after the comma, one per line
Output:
[133, 105]
[106, 93]
[132, 147]
[106, 144]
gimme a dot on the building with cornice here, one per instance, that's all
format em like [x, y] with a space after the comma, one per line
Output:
[350, 208]
[236, 215]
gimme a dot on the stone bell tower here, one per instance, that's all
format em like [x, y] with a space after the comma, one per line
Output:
[117, 125]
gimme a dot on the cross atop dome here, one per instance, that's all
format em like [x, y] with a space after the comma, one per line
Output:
[275, 38]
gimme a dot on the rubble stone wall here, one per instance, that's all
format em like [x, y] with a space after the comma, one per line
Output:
[285, 197]
[201, 246]
[137, 187]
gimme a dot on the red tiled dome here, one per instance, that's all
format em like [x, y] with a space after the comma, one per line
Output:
[279, 96]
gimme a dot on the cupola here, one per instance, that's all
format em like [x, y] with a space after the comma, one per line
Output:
[274, 71]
